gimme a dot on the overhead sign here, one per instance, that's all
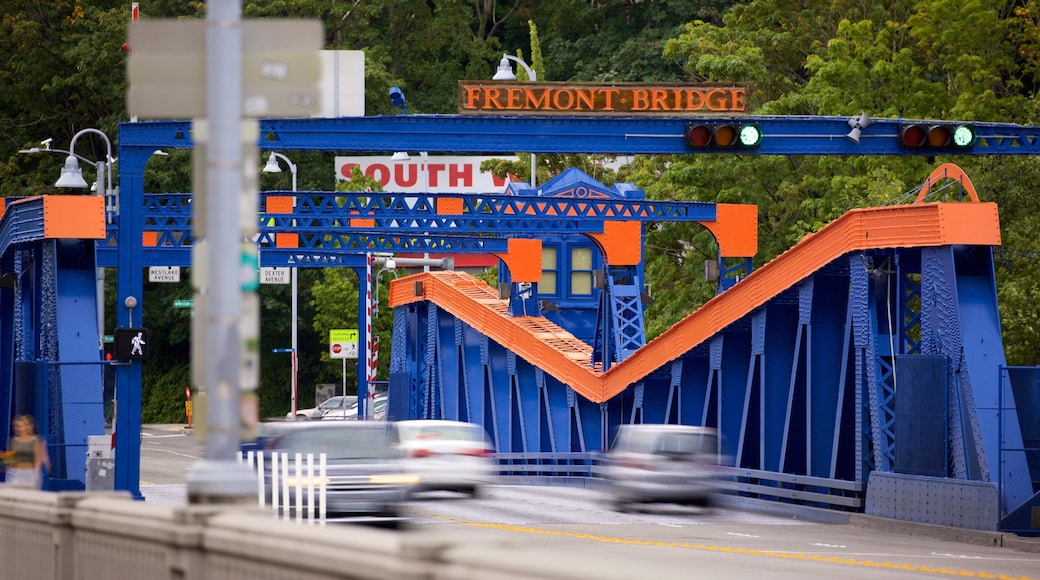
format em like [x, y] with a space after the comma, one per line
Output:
[164, 273]
[435, 174]
[281, 68]
[518, 98]
[343, 343]
[274, 275]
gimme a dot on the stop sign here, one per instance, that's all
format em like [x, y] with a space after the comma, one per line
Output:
[337, 348]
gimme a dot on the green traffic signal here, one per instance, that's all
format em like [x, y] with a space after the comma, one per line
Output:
[722, 135]
[937, 136]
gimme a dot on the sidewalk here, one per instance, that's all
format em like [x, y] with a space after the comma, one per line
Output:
[169, 494]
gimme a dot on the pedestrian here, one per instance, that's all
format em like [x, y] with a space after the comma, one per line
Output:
[26, 455]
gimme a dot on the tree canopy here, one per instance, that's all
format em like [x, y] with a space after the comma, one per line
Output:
[64, 69]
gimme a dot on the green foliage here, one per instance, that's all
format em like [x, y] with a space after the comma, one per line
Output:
[64, 70]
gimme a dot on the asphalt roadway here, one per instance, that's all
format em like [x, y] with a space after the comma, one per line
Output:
[566, 524]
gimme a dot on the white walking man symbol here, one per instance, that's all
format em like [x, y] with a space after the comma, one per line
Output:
[137, 342]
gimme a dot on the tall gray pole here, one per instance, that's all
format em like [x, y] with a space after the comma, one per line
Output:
[219, 478]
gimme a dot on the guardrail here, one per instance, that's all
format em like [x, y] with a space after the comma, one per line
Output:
[586, 470]
[566, 469]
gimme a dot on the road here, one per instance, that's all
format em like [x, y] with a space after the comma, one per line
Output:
[565, 523]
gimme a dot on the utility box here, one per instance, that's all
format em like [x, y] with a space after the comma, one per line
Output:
[101, 466]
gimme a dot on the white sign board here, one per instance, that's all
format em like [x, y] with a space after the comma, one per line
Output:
[164, 273]
[274, 275]
[342, 83]
[343, 343]
[435, 174]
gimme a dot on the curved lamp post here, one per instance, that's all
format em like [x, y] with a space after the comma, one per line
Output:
[72, 176]
[273, 166]
[505, 73]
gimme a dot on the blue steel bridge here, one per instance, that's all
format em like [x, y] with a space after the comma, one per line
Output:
[862, 370]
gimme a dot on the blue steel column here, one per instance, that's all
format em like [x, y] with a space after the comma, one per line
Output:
[129, 282]
[859, 298]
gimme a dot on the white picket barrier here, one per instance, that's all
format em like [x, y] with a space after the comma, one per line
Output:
[305, 475]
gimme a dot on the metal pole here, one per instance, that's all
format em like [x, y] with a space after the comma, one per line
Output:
[99, 272]
[295, 295]
[219, 478]
[273, 167]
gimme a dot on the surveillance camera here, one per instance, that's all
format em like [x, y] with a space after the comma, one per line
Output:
[46, 143]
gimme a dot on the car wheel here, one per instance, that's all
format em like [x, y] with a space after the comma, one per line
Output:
[619, 504]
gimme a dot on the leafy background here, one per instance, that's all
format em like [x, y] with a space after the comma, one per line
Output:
[63, 68]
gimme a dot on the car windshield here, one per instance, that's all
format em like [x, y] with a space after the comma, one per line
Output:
[677, 443]
[448, 431]
[338, 443]
[331, 403]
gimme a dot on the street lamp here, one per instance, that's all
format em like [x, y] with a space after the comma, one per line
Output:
[505, 73]
[273, 166]
[72, 176]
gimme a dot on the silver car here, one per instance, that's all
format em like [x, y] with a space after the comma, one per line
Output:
[333, 404]
[663, 464]
[365, 481]
[447, 455]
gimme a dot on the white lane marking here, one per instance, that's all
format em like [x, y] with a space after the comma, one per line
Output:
[670, 525]
[741, 535]
[157, 450]
[827, 545]
[957, 556]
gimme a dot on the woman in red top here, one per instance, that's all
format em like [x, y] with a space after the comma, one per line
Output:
[26, 455]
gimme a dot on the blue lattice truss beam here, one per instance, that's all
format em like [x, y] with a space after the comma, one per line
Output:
[329, 223]
[624, 136]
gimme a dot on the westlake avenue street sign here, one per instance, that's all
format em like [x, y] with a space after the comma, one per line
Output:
[519, 98]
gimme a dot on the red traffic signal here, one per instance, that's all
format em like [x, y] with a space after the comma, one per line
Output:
[936, 136]
[723, 135]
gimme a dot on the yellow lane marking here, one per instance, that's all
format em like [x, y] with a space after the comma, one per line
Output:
[726, 549]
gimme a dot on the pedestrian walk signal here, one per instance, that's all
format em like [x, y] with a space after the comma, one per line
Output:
[130, 343]
[723, 135]
[937, 136]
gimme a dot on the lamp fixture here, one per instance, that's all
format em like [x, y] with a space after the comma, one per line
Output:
[505, 71]
[399, 156]
[272, 165]
[71, 174]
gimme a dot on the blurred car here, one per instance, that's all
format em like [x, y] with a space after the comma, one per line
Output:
[447, 455]
[337, 403]
[378, 413]
[663, 464]
[365, 481]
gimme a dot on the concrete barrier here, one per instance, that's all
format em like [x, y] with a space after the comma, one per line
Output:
[105, 535]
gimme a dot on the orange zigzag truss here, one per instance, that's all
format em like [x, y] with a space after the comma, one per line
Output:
[568, 359]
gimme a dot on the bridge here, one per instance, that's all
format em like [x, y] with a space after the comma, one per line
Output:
[819, 368]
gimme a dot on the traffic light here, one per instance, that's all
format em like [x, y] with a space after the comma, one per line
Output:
[723, 135]
[937, 136]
